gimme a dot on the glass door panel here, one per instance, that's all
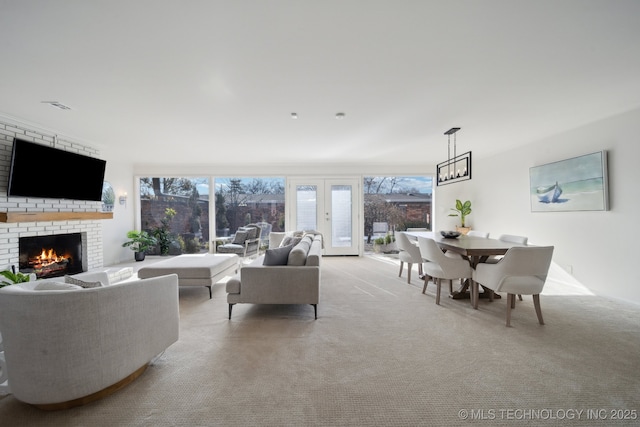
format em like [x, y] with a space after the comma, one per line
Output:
[306, 207]
[330, 206]
[341, 216]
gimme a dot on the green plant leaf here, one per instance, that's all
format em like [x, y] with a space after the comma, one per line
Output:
[15, 277]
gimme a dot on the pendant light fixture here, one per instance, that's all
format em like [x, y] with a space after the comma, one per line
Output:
[456, 168]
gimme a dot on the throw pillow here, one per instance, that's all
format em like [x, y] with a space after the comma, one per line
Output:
[55, 286]
[298, 255]
[82, 283]
[252, 232]
[290, 240]
[277, 256]
[240, 237]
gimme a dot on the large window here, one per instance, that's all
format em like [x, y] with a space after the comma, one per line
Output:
[176, 212]
[395, 203]
[247, 200]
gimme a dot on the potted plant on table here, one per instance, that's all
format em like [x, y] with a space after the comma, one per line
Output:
[462, 210]
[140, 242]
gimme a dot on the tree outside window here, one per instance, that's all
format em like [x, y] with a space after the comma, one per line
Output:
[400, 202]
[176, 211]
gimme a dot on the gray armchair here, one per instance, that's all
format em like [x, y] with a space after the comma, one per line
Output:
[246, 242]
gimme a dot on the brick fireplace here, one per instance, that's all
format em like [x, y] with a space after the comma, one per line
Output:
[52, 255]
[11, 232]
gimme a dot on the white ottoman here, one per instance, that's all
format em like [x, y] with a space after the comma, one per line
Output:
[194, 269]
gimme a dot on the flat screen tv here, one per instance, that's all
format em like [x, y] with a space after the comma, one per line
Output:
[41, 171]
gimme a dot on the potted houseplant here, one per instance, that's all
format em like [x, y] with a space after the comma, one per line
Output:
[140, 242]
[8, 277]
[462, 210]
[384, 244]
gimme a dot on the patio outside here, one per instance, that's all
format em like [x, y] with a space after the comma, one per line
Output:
[176, 209]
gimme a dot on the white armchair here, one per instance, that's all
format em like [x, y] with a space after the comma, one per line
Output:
[440, 266]
[522, 271]
[66, 346]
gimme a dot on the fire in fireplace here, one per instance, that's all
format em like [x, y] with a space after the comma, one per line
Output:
[48, 262]
[51, 256]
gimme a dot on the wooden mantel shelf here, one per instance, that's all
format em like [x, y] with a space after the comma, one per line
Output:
[52, 216]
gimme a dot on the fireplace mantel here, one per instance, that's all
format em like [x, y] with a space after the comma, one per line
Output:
[52, 216]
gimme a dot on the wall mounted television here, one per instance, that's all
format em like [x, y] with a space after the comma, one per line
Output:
[42, 171]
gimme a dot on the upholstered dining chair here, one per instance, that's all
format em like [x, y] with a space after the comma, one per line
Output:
[477, 233]
[440, 267]
[522, 271]
[409, 253]
[521, 240]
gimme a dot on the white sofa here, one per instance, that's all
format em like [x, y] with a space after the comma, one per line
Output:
[296, 282]
[64, 348]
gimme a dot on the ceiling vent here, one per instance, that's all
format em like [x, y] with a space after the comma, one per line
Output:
[57, 105]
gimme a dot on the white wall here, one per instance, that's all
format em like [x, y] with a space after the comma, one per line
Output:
[596, 247]
[119, 174]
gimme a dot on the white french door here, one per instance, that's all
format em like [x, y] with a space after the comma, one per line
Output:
[330, 206]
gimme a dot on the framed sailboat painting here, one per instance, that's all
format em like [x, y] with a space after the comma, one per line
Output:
[575, 184]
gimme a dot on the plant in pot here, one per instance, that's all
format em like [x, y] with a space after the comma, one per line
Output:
[139, 242]
[462, 210]
[9, 277]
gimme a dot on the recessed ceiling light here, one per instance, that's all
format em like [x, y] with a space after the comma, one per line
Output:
[294, 115]
[57, 105]
[339, 116]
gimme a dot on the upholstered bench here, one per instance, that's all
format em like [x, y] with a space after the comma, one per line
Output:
[194, 269]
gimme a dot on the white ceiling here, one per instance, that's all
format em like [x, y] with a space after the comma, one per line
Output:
[209, 81]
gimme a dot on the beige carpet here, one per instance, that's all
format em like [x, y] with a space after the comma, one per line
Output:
[380, 354]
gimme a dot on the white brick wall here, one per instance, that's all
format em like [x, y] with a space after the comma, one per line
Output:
[11, 232]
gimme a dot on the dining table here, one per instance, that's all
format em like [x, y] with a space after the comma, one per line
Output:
[472, 248]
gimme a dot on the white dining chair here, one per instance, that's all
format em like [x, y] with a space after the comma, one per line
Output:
[440, 267]
[478, 234]
[522, 271]
[409, 253]
[511, 238]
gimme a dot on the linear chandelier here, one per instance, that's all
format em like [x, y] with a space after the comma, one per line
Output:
[456, 168]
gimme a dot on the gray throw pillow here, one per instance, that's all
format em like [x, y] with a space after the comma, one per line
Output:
[290, 240]
[277, 256]
[81, 283]
[55, 286]
[252, 232]
[240, 237]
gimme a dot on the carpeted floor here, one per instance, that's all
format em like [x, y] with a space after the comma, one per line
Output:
[381, 353]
